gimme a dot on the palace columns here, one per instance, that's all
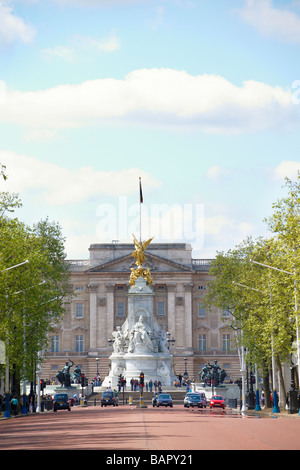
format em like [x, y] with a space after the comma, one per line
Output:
[93, 288]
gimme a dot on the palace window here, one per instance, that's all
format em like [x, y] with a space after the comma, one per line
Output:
[120, 309]
[226, 342]
[79, 310]
[160, 309]
[79, 343]
[202, 342]
[201, 310]
[54, 343]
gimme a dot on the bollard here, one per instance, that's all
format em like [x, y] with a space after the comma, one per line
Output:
[130, 400]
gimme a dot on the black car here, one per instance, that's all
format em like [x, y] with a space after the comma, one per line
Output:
[61, 401]
[109, 398]
[164, 400]
[193, 399]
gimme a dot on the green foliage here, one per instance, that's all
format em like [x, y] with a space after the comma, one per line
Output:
[33, 296]
[260, 299]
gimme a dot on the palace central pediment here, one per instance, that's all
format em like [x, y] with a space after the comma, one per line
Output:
[154, 262]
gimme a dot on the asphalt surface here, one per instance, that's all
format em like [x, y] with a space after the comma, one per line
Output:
[131, 429]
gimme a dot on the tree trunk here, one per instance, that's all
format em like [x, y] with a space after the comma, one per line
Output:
[282, 390]
[266, 384]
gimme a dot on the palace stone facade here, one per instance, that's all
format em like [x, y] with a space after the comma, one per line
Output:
[100, 304]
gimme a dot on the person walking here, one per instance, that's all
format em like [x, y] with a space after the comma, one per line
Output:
[14, 405]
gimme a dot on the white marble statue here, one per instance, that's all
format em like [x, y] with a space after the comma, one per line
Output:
[140, 336]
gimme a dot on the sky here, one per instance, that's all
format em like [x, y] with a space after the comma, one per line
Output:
[201, 100]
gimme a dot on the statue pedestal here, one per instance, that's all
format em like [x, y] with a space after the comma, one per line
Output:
[155, 367]
[140, 344]
[69, 390]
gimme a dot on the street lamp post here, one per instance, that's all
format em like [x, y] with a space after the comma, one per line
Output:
[185, 368]
[244, 368]
[257, 405]
[293, 402]
[97, 362]
[275, 396]
[24, 406]
[250, 392]
[296, 310]
[7, 412]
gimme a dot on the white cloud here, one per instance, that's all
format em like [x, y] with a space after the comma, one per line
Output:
[96, 3]
[286, 169]
[216, 172]
[222, 232]
[271, 21]
[54, 184]
[108, 44]
[158, 97]
[82, 44]
[62, 52]
[13, 28]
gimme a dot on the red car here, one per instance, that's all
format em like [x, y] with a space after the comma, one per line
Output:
[217, 401]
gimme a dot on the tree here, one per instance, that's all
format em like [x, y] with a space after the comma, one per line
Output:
[260, 298]
[259, 302]
[33, 296]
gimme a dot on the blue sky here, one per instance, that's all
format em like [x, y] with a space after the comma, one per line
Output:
[201, 99]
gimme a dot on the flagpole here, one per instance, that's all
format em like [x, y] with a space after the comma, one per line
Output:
[141, 200]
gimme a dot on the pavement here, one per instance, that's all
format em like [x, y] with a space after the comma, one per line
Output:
[264, 412]
[131, 429]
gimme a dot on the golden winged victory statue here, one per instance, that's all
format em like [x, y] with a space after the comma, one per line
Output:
[139, 254]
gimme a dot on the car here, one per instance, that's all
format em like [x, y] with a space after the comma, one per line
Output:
[186, 398]
[202, 396]
[193, 399]
[61, 401]
[164, 400]
[109, 398]
[217, 401]
[203, 400]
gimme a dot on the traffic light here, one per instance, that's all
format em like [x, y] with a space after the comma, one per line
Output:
[142, 379]
[42, 384]
[82, 380]
[119, 380]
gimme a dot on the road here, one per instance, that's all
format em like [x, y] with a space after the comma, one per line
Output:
[151, 429]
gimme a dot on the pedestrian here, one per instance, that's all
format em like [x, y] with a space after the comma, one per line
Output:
[150, 385]
[14, 405]
[31, 404]
[131, 384]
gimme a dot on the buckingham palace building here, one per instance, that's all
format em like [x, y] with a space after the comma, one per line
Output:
[100, 285]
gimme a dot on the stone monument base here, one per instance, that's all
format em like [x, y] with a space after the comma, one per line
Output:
[69, 390]
[155, 366]
[228, 391]
[140, 344]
